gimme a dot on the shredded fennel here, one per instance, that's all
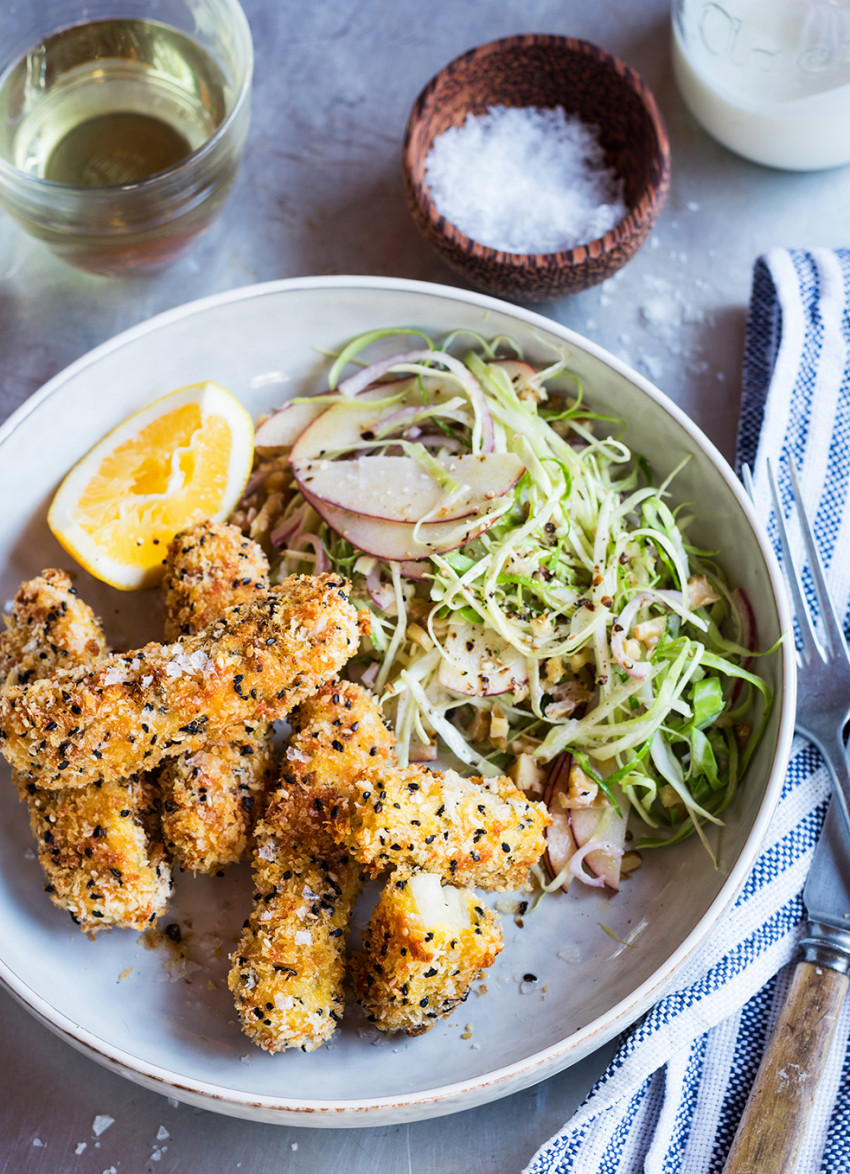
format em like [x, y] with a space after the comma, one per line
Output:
[661, 711]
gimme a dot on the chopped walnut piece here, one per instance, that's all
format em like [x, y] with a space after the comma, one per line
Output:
[700, 592]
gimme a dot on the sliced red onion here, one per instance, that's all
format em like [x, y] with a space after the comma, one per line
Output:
[575, 865]
[370, 674]
[440, 440]
[358, 382]
[288, 527]
[749, 634]
[641, 669]
[381, 594]
[638, 670]
[400, 416]
[283, 531]
[744, 608]
[314, 542]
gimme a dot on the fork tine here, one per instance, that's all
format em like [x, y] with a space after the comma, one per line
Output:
[834, 637]
[811, 645]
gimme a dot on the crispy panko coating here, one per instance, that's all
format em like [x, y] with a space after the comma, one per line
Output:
[479, 832]
[335, 736]
[101, 854]
[209, 568]
[98, 845]
[211, 796]
[287, 971]
[424, 947]
[129, 712]
[50, 628]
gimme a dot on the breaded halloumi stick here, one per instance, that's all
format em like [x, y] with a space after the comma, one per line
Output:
[98, 845]
[129, 712]
[209, 567]
[425, 945]
[336, 735]
[479, 832]
[287, 970]
[48, 628]
[211, 796]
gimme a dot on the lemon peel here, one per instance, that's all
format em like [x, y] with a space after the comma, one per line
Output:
[183, 458]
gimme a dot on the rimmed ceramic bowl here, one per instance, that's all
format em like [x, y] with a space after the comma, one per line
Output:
[168, 1022]
[543, 72]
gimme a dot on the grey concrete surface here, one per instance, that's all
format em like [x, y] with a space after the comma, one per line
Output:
[320, 193]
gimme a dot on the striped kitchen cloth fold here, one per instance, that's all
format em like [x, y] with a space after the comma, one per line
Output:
[670, 1100]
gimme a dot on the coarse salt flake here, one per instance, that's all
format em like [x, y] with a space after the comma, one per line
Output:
[303, 937]
[184, 662]
[101, 1123]
[525, 180]
[267, 850]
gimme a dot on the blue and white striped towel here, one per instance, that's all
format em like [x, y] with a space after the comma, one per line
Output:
[670, 1100]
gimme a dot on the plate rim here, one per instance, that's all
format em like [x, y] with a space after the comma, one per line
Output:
[455, 1096]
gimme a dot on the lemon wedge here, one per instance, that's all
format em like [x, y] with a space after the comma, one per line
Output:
[185, 457]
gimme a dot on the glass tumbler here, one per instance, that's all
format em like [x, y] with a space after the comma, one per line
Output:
[770, 79]
[122, 124]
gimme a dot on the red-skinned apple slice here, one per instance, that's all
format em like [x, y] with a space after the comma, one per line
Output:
[398, 489]
[478, 663]
[603, 824]
[282, 429]
[341, 427]
[395, 541]
[560, 844]
[521, 374]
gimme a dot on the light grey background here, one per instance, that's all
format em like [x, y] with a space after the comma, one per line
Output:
[320, 193]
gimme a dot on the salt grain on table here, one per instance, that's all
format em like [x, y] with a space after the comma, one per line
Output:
[524, 180]
[101, 1123]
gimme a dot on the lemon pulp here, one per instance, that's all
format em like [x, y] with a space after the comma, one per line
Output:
[184, 458]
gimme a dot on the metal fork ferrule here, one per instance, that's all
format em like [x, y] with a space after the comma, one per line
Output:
[827, 946]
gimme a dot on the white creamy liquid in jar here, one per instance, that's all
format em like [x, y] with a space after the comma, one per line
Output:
[770, 79]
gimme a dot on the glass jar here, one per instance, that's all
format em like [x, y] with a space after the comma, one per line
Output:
[770, 79]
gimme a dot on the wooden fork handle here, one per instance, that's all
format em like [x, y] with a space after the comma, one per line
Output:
[770, 1133]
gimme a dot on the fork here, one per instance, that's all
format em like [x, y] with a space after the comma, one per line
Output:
[823, 704]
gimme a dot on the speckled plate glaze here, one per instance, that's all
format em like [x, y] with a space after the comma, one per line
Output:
[166, 1021]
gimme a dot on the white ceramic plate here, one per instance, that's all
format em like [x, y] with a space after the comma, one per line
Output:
[172, 1027]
